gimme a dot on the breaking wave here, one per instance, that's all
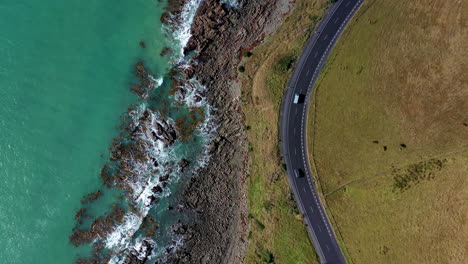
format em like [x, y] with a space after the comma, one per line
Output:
[232, 3]
[144, 187]
[121, 239]
[179, 27]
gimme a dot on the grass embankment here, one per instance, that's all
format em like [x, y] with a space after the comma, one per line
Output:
[277, 233]
[389, 125]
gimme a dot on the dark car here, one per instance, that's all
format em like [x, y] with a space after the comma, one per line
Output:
[299, 173]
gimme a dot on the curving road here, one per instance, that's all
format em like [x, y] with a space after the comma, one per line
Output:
[293, 122]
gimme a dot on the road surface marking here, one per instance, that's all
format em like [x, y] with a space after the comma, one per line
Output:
[336, 20]
[296, 111]
[311, 208]
[295, 151]
[309, 178]
[316, 53]
[347, 4]
[345, 21]
[304, 189]
[328, 249]
[294, 130]
[308, 71]
[326, 36]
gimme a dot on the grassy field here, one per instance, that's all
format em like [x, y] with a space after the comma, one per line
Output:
[388, 133]
[278, 234]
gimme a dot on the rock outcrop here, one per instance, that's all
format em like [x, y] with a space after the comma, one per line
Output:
[217, 195]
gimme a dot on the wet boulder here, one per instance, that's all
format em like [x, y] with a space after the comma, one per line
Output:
[157, 189]
[140, 256]
[164, 178]
[183, 164]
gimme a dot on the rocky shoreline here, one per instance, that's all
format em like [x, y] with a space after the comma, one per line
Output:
[217, 195]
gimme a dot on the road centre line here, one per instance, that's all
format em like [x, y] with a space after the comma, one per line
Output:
[303, 113]
[308, 220]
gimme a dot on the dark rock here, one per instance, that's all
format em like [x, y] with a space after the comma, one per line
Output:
[155, 162]
[164, 178]
[183, 163]
[181, 93]
[91, 197]
[154, 135]
[165, 51]
[145, 84]
[157, 189]
[141, 256]
[159, 128]
[197, 99]
[153, 199]
[217, 200]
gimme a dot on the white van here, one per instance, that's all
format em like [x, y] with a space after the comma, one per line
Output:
[298, 98]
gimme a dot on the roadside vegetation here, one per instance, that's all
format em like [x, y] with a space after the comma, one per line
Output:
[388, 133]
[277, 233]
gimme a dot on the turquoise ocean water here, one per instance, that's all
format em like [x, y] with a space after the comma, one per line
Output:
[66, 69]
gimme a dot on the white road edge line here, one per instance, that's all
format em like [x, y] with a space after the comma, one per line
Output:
[304, 112]
[286, 156]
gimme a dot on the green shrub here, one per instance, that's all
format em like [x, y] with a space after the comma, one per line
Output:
[241, 69]
[404, 179]
[260, 225]
[314, 18]
[267, 256]
[247, 54]
[268, 205]
[285, 63]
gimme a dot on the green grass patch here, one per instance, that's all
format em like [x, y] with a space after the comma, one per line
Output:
[277, 232]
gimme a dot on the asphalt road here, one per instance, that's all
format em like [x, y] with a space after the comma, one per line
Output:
[293, 122]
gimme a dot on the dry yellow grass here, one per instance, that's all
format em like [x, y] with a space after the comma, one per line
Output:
[426, 224]
[397, 76]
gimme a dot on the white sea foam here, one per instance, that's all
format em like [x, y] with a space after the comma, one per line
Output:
[142, 249]
[180, 27]
[142, 188]
[120, 239]
[233, 3]
[193, 94]
[157, 83]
